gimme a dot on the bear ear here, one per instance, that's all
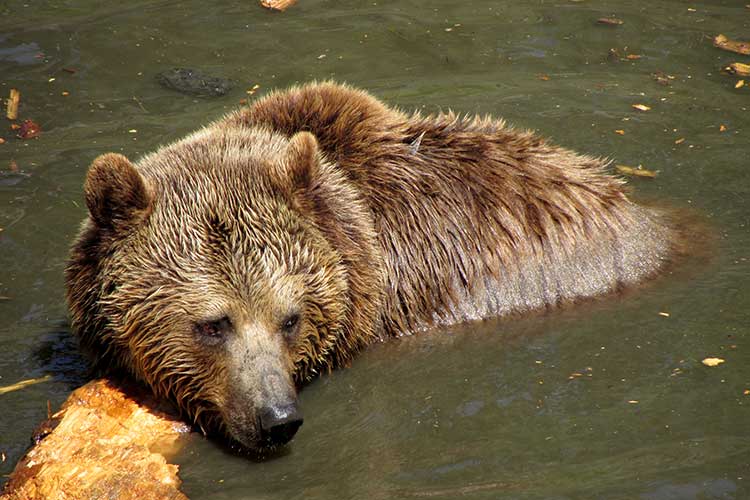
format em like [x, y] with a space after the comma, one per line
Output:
[302, 159]
[116, 194]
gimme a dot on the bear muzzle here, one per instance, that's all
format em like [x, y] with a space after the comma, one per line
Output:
[269, 426]
[261, 409]
[279, 423]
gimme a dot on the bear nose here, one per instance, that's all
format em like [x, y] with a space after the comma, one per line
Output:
[279, 424]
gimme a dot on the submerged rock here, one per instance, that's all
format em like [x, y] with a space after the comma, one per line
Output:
[193, 82]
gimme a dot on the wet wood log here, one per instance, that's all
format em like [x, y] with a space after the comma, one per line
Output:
[107, 441]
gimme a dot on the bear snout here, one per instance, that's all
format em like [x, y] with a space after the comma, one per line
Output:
[279, 423]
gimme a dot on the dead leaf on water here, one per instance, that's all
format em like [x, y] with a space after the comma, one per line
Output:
[722, 42]
[712, 361]
[11, 112]
[24, 383]
[638, 171]
[620, 132]
[662, 78]
[609, 21]
[739, 84]
[738, 69]
[641, 107]
[29, 129]
[722, 128]
[280, 5]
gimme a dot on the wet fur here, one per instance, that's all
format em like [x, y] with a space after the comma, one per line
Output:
[378, 223]
[479, 219]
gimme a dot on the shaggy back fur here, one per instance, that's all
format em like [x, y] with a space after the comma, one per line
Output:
[474, 218]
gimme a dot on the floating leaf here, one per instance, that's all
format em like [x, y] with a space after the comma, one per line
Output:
[280, 5]
[29, 129]
[738, 69]
[24, 383]
[12, 106]
[725, 43]
[662, 78]
[635, 171]
[712, 361]
[641, 107]
[610, 21]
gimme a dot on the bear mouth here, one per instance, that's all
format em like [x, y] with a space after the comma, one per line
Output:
[257, 451]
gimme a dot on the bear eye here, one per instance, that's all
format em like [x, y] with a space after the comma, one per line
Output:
[290, 322]
[213, 331]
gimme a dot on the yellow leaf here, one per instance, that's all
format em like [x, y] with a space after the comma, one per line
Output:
[24, 383]
[635, 171]
[739, 69]
[712, 361]
[725, 43]
[641, 107]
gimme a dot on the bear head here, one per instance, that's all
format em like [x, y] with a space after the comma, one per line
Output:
[223, 271]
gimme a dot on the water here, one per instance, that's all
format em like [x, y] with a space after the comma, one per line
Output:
[482, 410]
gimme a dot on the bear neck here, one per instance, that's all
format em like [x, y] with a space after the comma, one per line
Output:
[334, 205]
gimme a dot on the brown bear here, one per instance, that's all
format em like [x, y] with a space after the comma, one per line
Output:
[228, 268]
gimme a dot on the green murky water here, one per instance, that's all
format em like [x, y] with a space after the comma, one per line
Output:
[479, 411]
